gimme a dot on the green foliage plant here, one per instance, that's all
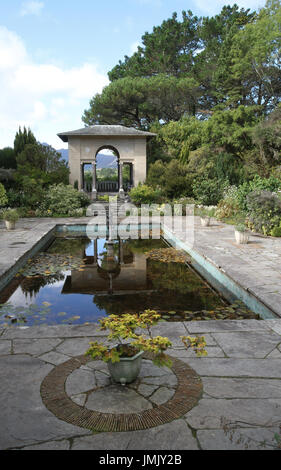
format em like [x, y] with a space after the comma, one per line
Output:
[123, 328]
[173, 177]
[104, 198]
[229, 205]
[258, 183]
[63, 199]
[3, 196]
[7, 158]
[139, 101]
[208, 191]
[41, 162]
[276, 232]
[241, 228]
[264, 211]
[144, 194]
[23, 138]
[205, 212]
[10, 215]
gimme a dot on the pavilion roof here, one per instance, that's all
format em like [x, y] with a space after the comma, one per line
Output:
[105, 130]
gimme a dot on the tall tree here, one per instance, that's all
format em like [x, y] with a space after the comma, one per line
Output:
[42, 163]
[256, 60]
[23, 138]
[7, 158]
[213, 60]
[170, 49]
[141, 101]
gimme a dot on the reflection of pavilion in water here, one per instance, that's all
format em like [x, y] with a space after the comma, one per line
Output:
[116, 271]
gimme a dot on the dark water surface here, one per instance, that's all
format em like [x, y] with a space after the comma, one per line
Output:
[78, 281]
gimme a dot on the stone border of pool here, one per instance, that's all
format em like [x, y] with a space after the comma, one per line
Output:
[216, 276]
[54, 397]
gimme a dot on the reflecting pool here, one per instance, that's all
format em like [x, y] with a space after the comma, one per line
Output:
[78, 281]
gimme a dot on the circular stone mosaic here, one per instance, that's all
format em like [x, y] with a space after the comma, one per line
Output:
[81, 392]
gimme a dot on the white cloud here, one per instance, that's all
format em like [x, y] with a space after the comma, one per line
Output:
[213, 8]
[12, 50]
[31, 8]
[134, 47]
[45, 97]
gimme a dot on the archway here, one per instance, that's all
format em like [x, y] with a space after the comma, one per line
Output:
[107, 169]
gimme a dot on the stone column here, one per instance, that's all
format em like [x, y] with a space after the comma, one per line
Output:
[94, 188]
[82, 188]
[121, 189]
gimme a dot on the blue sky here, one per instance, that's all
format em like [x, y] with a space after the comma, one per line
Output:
[55, 55]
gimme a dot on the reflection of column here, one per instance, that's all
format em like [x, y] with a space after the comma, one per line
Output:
[95, 251]
[121, 190]
[82, 177]
[110, 250]
[94, 188]
[121, 255]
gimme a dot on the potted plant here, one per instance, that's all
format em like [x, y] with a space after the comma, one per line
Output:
[241, 234]
[10, 216]
[124, 357]
[205, 215]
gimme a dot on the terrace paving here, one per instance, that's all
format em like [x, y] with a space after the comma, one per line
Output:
[241, 376]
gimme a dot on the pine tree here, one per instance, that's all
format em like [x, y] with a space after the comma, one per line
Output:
[23, 138]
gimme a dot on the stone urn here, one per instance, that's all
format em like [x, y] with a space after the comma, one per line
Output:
[127, 370]
[10, 225]
[241, 237]
[205, 221]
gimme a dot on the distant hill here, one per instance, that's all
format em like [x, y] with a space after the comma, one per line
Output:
[64, 154]
[103, 161]
[106, 161]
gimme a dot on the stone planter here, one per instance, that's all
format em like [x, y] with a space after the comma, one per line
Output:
[205, 221]
[10, 225]
[241, 237]
[127, 370]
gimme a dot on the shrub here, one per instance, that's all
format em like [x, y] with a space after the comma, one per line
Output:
[15, 198]
[29, 193]
[7, 158]
[104, 198]
[3, 196]
[264, 211]
[11, 215]
[209, 191]
[174, 178]
[276, 232]
[144, 194]
[176, 181]
[205, 212]
[240, 228]
[63, 200]
[229, 205]
[271, 184]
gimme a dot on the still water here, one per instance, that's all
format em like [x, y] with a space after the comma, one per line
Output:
[78, 281]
